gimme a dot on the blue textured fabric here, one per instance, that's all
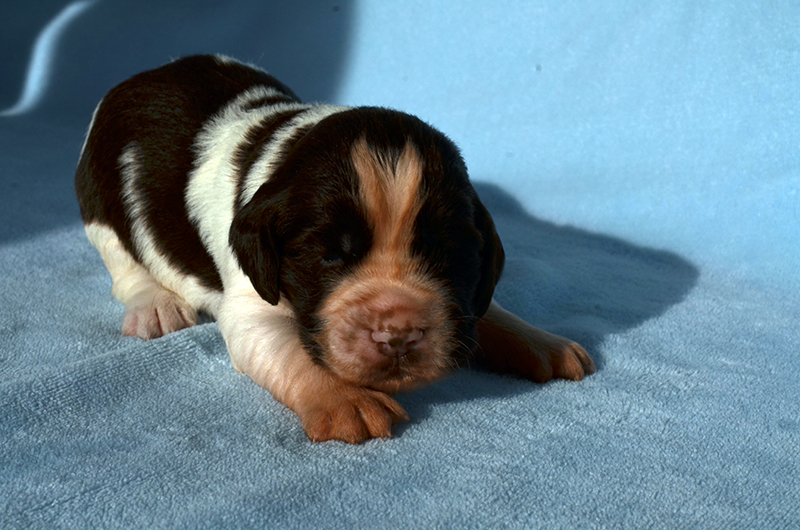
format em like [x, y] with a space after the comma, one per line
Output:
[641, 162]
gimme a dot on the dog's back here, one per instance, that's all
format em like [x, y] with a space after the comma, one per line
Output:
[139, 153]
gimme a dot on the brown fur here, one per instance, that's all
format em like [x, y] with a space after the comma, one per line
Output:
[392, 198]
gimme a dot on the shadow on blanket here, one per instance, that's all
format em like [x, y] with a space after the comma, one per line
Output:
[568, 281]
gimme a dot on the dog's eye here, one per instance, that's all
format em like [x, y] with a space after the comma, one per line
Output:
[341, 246]
[341, 251]
[332, 258]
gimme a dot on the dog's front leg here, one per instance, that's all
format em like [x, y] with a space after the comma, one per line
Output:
[264, 344]
[508, 344]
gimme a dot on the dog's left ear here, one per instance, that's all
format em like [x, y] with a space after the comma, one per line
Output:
[492, 259]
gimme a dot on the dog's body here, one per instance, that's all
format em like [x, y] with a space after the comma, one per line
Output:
[343, 251]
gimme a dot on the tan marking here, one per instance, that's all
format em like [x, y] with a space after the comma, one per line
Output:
[364, 303]
[392, 198]
[333, 410]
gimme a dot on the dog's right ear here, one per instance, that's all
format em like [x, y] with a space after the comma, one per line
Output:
[492, 259]
[254, 238]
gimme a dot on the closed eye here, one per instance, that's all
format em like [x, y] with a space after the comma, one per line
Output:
[345, 249]
[333, 259]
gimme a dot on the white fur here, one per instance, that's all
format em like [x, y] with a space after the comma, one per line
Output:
[261, 339]
[150, 309]
[211, 191]
[127, 274]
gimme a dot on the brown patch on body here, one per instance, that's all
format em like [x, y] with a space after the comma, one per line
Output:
[386, 325]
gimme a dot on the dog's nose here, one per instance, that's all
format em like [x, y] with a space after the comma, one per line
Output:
[397, 342]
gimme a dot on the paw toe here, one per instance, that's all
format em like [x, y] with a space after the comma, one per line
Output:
[157, 316]
[359, 417]
[573, 363]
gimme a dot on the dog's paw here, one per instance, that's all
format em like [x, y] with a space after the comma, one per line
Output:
[508, 344]
[556, 357]
[547, 357]
[154, 314]
[350, 414]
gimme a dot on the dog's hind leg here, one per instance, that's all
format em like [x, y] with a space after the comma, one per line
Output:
[151, 310]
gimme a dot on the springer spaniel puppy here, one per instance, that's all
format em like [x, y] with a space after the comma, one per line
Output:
[343, 251]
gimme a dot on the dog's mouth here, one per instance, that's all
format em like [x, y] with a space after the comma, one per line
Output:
[390, 361]
[403, 374]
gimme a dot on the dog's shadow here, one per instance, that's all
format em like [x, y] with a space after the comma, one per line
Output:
[567, 281]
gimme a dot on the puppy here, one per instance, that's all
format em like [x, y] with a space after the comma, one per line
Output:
[343, 251]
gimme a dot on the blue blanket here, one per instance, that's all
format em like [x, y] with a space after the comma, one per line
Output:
[641, 160]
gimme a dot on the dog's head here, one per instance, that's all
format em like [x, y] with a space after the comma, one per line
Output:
[371, 230]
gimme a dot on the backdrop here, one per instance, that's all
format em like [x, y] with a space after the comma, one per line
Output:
[641, 162]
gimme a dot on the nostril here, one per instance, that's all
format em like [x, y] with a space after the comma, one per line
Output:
[397, 342]
[400, 336]
[415, 335]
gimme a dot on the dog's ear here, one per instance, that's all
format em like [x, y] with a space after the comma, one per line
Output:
[255, 240]
[492, 259]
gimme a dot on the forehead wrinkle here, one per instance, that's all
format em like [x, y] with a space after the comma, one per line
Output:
[391, 196]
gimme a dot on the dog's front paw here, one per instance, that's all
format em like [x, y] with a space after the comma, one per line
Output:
[510, 345]
[556, 357]
[350, 414]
